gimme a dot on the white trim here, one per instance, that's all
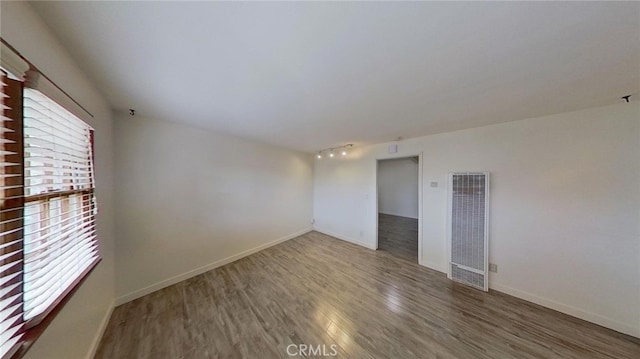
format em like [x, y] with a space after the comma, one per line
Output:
[487, 217]
[420, 212]
[98, 337]
[344, 238]
[192, 273]
[567, 309]
[448, 224]
[13, 63]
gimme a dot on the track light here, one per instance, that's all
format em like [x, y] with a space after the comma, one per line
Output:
[343, 150]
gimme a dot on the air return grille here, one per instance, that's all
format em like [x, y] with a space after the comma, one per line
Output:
[468, 205]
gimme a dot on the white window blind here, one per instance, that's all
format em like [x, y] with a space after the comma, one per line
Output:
[47, 210]
[59, 214]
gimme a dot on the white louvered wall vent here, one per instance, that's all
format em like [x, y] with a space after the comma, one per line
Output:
[468, 228]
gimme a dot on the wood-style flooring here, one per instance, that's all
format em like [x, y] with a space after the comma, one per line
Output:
[398, 236]
[316, 289]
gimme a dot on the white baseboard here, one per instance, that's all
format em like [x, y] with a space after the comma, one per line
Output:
[344, 238]
[100, 333]
[192, 273]
[570, 310]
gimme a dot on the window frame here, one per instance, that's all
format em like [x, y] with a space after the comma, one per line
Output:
[34, 327]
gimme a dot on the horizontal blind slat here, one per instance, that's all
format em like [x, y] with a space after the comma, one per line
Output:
[6, 313]
[43, 282]
[61, 248]
[61, 266]
[42, 108]
[10, 266]
[36, 235]
[46, 296]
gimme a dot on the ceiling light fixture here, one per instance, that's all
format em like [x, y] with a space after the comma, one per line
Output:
[343, 150]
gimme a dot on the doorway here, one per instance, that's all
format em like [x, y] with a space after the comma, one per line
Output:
[398, 202]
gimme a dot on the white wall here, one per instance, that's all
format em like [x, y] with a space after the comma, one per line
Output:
[565, 206]
[188, 199]
[398, 187]
[76, 329]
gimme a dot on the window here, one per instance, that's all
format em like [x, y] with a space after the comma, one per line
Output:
[47, 212]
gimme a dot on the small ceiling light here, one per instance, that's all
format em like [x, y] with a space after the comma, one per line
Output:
[332, 151]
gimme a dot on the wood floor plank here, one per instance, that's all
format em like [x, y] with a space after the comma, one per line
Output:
[398, 236]
[317, 290]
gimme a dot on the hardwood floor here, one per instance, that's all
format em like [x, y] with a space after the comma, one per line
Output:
[398, 236]
[315, 289]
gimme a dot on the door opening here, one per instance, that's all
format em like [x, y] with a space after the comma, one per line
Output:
[398, 203]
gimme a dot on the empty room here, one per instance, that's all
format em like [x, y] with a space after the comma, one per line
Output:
[319, 179]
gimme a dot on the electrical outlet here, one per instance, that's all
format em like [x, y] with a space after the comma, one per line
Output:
[493, 267]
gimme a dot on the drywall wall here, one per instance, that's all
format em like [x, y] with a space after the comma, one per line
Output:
[190, 199]
[77, 328]
[398, 187]
[564, 210]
